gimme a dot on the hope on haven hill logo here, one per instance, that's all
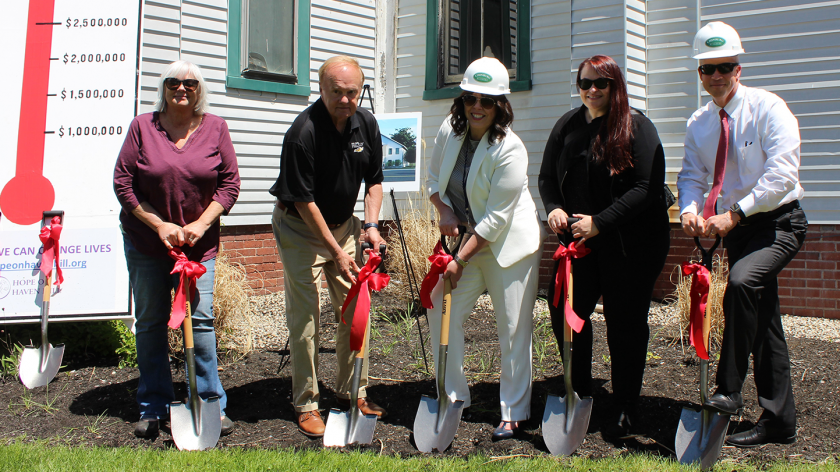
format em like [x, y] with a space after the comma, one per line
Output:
[715, 42]
[482, 77]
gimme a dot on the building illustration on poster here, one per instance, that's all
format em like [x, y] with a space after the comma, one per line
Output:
[71, 87]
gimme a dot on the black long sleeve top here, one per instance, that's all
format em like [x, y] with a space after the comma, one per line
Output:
[628, 204]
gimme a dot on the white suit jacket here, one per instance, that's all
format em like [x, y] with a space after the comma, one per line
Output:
[497, 190]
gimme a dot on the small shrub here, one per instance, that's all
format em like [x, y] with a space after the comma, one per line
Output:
[127, 350]
[682, 300]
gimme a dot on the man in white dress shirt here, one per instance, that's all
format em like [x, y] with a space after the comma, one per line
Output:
[747, 140]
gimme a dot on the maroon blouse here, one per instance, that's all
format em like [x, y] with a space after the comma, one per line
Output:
[179, 183]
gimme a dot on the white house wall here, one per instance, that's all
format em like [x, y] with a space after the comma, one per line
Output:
[197, 31]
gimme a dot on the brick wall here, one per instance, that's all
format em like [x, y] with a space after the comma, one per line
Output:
[809, 286]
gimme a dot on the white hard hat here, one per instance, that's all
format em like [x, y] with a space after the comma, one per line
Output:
[487, 76]
[717, 39]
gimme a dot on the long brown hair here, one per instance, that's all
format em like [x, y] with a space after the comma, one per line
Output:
[612, 145]
[503, 119]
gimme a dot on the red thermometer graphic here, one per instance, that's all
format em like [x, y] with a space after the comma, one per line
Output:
[28, 194]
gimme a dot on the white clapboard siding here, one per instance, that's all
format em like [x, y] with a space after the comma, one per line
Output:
[196, 30]
[792, 49]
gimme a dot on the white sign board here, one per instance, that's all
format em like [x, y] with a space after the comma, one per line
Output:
[71, 85]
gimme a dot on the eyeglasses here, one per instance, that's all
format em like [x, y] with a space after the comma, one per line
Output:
[172, 83]
[600, 83]
[724, 68]
[486, 102]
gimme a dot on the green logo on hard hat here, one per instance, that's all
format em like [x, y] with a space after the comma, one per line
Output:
[482, 77]
[715, 42]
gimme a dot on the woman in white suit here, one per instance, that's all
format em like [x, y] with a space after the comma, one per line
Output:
[478, 179]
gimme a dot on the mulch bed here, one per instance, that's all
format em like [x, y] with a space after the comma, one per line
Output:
[91, 401]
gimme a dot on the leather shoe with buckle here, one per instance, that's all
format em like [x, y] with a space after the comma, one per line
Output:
[311, 424]
[366, 406]
[759, 435]
[147, 427]
[727, 404]
[503, 433]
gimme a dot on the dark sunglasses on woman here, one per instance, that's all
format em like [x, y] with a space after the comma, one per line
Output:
[172, 83]
[600, 83]
[724, 68]
[486, 102]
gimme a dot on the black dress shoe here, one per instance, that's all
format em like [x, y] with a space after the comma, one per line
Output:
[626, 427]
[503, 433]
[730, 404]
[147, 427]
[227, 425]
[761, 435]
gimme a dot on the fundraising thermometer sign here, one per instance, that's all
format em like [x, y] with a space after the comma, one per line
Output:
[71, 82]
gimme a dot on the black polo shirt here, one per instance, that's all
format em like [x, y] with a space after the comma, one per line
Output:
[319, 164]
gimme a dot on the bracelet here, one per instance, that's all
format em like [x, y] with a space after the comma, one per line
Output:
[460, 261]
[370, 225]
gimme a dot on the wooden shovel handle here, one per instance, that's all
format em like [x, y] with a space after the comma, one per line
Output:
[445, 312]
[188, 331]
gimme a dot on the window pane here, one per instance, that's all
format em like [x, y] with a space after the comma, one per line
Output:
[479, 28]
[271, 39]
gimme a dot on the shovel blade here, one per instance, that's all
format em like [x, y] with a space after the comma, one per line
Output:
[700, 439]
[434, 429]
[196, 432]
[34, 372]
[342, 430]
[564, 430]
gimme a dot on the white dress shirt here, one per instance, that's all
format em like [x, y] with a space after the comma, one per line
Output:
[762, 165]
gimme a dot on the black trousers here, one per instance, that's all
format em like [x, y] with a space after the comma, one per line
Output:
[753, 325]
[624, 274]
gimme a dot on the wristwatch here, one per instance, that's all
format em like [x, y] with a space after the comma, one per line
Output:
[370, 225]
[460, 261]
[736, 208]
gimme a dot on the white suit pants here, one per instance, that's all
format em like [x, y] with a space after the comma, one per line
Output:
[513, 291]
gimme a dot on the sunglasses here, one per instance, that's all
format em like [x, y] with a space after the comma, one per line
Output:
[600, 83]
[724, 68]
[486, 102]
[172, 83]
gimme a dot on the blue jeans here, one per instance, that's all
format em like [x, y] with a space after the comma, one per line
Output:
[151, 283]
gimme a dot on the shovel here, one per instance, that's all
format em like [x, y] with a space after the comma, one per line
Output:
[38, 366]
[195, 426]
[566, 419]
[437, 421]
[700, 434]
[351, 426]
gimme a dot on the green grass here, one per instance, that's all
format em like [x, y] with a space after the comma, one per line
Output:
[40, 456]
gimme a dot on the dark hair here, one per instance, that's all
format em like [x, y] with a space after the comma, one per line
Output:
[504, 117]
[612, 145]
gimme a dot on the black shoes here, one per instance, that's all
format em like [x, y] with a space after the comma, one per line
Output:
[625, 428]
[730, 404]
[759, 435]
[147, 427]
[227, 425]
[503, 433]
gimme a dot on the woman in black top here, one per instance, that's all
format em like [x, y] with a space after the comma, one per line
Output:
[604, 163]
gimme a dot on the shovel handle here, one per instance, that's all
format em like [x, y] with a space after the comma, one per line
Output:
[706, 256]
[445, 312]
[188, 331]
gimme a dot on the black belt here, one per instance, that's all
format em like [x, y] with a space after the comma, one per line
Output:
[769, 215]
[292, 211]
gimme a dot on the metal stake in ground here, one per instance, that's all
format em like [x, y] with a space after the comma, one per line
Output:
[38, 366]
[196, 426]
[566, 419]
[700, 434]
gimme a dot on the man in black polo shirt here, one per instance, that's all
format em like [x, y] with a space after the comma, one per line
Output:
[327, 152]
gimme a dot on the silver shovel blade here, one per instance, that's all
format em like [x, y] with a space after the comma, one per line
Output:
[38, 365]
[196, 432]
[342, 431]
[433, 432]
[699, 439]
[563, 430]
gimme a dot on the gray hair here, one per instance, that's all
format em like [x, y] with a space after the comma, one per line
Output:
[180, 70]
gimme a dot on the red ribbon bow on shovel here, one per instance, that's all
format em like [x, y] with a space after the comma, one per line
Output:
[439, 259]
[366, 281]
[49, 236]
[190, 272]
[561, 280]
[699, 294]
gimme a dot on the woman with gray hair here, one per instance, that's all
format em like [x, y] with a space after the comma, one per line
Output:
[176, 174]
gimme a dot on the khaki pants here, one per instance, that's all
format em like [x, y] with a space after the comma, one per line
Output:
[304, 259]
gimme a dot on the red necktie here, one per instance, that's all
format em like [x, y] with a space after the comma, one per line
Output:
[720, 166]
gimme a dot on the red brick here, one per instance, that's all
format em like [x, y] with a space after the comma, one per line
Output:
[821, 265]
[831, 256]
[796, 264]
[821, 283]
[792, 282]
[820, 303]
[821, 246]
